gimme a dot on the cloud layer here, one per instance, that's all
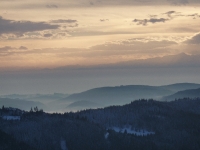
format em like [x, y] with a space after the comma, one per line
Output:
[21, 27]
[50, 34]
[164, 17]
[64, 21]
[194, 40]
[152, 20]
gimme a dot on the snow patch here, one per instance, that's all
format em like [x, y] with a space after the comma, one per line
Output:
[106, 135]
[11, 117]
[141, 132]
[63, 145]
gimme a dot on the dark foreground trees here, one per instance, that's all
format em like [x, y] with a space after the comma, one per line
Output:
[176, 126]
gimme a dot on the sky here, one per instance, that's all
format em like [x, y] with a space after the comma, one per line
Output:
[70, 46]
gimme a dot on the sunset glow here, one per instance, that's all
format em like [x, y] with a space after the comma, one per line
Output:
[40, 35]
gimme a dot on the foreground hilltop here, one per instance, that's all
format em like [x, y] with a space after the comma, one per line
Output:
[140, 125]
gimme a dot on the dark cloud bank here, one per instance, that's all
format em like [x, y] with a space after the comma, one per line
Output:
[144, 22]
[20, 27]
[167, 17]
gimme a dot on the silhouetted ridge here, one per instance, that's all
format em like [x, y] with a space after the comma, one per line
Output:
[181, 86]
[119, 95]
[192, 93]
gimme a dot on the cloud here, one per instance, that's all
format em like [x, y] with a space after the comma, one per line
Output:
[23, 48]
[5, 48]
[129, 49]
[167, 16]
[103, 20]
[179, 2]
[91, 3]
[169, 13]
[62, 34]
[48, 35]
[94, 3]
[133, 45]
[194, 40]
[52, 6]
[21, 27]
[196, 15]
[8, 50]
[95, 33]
[144, 22]
[146, 2]
[154, 18]
[71, 23]
[184, 29]
[64, 21]
[179, 14]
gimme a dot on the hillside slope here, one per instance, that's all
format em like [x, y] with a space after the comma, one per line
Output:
[181, 86]
[192, 93]
[119, 95]
[21, 104]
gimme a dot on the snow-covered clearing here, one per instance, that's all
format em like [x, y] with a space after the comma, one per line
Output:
[106, 135]
[63, 145]
[141, 132]
[11, 117]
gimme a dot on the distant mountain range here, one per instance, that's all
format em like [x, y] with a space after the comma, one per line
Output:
[21, 104]
[118, 95]
[101, 97]
[181, 86]
[193, 93]
[25, 102]
[79, 105]
[36, 97]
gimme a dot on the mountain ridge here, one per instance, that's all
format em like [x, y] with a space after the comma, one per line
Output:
[119, 95]
[191, 93]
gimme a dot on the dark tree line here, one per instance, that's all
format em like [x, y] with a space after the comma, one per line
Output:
[176, 125]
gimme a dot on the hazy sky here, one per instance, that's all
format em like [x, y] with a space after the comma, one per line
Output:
[50, 34]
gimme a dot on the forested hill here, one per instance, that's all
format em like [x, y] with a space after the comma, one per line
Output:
[181, 86]
[98, 97]
[192, 93]
[140, 125]
[119, 95]
[7, 142]
[140, 110]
